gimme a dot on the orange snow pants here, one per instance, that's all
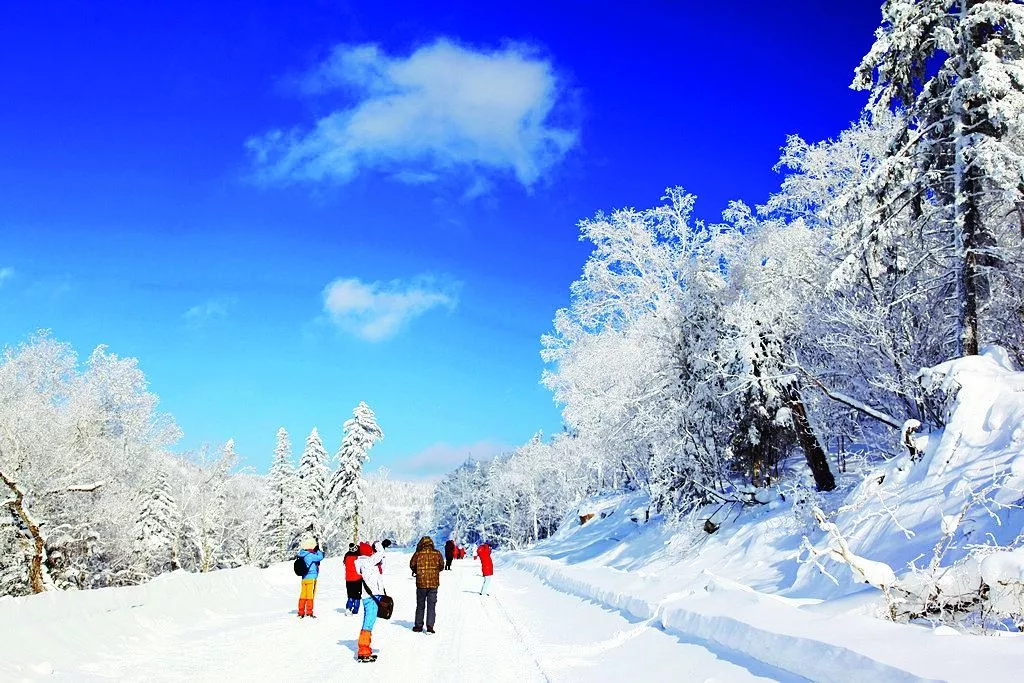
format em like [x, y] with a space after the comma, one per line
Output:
[306, 596]
[364, 644]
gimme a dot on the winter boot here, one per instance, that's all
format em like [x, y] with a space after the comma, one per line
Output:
[364, 650]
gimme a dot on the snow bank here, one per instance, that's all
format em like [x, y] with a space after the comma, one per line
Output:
[64, 624]
[965, 489]
[742, 588]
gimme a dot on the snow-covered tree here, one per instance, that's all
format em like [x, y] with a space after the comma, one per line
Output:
[214, 525]
[399, 510]
[13, 561]
[958, 68]
[312, 485]
[360, 433]
[156, 526]
[73, 445]
[281, 520]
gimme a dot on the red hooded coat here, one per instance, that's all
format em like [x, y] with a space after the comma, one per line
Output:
[484, 553]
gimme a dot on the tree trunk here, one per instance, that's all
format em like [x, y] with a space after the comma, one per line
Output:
[355, 524]
[971, 278]
[809, 443]
[38, 575]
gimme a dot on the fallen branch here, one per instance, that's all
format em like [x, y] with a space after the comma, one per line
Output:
[81, 488]
[854, 403]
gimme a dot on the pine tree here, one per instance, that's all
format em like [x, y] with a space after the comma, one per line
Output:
[156, 526]
[361, 432]
[961, 154]
[313, 478]
[281, 520]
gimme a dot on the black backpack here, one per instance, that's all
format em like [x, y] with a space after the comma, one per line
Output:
[300, 566]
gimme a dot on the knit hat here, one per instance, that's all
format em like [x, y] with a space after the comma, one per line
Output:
[308, 542]
[365, 549]
[351, 547]
[425, 542]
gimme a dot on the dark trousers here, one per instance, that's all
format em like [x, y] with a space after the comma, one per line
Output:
[354, 589]
[425, 597]
[447, 561]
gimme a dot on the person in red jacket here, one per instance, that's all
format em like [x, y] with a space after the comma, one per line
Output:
[353, 582]
[483, 551]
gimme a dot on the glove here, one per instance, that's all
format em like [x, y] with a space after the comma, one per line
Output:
[414, 572]
[386, 543]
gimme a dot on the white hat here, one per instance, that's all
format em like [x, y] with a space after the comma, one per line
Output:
[308, 542]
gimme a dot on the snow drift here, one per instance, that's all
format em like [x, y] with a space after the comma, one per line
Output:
[952, 518]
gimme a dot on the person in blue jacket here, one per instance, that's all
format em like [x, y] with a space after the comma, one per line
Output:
[312, 556]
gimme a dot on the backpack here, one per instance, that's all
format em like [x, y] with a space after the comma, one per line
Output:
[300, 566]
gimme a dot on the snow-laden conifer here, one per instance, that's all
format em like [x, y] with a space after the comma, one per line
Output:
[156, 526]
[281, 521]
[312, 484]
[958, 68]
[360, 433]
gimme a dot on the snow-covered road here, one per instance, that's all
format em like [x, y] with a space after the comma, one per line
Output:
[212, 628]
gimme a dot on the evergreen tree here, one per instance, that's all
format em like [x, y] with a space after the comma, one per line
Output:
[281, 519]
[361, 432]
[958, 66]
[156, 526]
[313, 477]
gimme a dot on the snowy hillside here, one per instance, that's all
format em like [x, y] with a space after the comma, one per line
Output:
[743, 589]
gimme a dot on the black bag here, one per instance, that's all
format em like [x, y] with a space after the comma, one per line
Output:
[385, 603]
[299, 566]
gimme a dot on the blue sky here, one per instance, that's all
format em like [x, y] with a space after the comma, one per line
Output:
[282, 209]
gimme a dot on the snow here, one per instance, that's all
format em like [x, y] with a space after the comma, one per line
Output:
[240, 625]
[1003, 567]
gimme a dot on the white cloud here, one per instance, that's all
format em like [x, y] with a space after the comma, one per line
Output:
[6, 274]
[208, 311]
[376, 310]
[443, 107]
[441, 458]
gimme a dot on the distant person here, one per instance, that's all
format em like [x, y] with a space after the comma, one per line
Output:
[373, 584]
[449, 552]
[353, 582]
[426, 565]
[312, 556]
[483, 551]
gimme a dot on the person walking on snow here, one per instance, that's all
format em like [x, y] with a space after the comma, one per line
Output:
[483, 551]
[312, 556]
[373, 582]
[449, 552]
[426, 565]
[353, 582]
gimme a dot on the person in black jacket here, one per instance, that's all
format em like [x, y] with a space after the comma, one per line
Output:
[449, 553]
